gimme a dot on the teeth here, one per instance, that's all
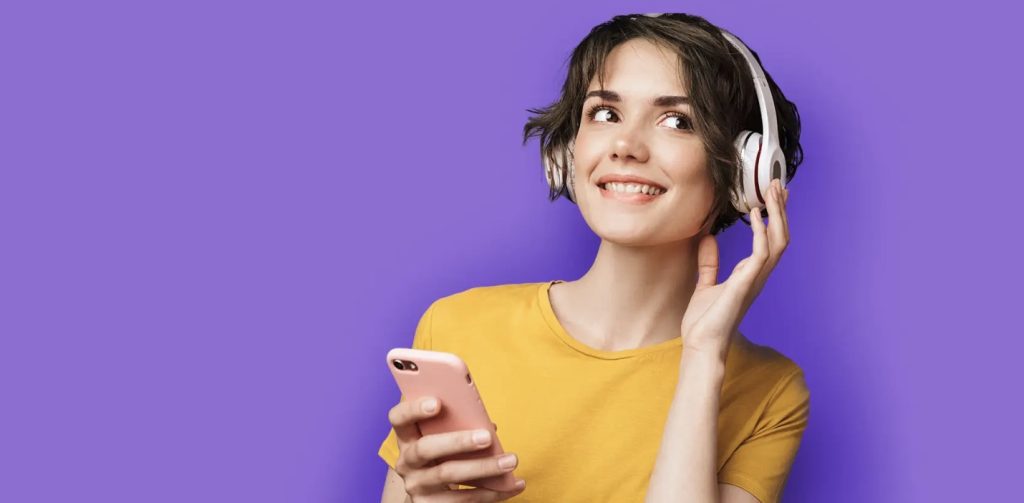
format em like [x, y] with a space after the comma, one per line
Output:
[632, 188]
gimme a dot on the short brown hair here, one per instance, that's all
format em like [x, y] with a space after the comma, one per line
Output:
[721, 92]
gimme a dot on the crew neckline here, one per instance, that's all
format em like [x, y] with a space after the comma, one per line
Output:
[548, 312]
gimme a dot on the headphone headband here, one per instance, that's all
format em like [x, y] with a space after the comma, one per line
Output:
[769, 126]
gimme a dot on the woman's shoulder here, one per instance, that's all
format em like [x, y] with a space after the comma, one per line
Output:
[764, 365]
[490, 297]
[764, 357]
[459, 319]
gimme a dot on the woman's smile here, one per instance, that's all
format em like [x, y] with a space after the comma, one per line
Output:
[630, 193]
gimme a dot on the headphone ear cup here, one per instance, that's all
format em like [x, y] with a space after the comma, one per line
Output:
[571, 178]
[553, 169]
[748, 146]
[552, 172]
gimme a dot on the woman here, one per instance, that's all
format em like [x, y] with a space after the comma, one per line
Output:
[632, 382]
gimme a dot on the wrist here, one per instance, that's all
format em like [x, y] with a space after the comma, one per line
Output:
[716, 351]
[704, 361]
[709, 345]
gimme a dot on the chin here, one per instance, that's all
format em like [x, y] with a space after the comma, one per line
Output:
[627, 235]
[626, 232]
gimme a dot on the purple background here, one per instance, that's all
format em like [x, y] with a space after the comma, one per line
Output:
[216, 218]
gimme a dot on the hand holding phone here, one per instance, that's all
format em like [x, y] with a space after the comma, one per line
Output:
[445, 436]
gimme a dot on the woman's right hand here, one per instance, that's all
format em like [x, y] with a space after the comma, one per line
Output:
[426, 481]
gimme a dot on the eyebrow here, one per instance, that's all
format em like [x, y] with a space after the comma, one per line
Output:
[660, 101]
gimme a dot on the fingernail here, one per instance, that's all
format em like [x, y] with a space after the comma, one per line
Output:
[481, 437]
[430, 406]
[507, 461]
[520, 484]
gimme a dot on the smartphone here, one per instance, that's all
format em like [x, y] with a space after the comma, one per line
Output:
[445, 376]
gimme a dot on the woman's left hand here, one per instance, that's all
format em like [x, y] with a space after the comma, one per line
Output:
[716, 309]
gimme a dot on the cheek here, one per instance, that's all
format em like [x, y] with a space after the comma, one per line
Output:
[693, 177]
[693, 200]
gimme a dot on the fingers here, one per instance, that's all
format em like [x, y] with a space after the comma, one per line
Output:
[778, 234]
[751, 266]
[474, 495]
[457, 471]
[781, 197]
[431, 447]
[403, 417]
[707, 262]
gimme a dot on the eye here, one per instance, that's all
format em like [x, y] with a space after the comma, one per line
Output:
[594, 110]
[683, 121]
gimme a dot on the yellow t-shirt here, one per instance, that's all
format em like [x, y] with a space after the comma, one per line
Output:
[587, 423]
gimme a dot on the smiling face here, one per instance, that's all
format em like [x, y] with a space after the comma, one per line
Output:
[635, 131]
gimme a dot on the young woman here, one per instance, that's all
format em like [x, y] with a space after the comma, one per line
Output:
[631, 383]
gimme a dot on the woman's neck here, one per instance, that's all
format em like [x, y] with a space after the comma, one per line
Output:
[631, 297]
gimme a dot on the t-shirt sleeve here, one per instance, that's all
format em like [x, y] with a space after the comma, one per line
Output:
[762, 462]
[421, 340]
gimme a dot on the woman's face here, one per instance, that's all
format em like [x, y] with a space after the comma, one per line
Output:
[630, 134]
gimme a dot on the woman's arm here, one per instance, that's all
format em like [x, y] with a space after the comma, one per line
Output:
[685, 467]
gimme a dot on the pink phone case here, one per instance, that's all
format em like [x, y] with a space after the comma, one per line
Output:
[446, 376]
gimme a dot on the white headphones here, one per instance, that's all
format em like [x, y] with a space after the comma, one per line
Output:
[761, 156]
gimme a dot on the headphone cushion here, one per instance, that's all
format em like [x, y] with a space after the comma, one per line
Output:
[553, 169]
[748, 145]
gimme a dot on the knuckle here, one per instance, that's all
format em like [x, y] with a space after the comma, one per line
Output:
[415, 453]
[414, 484]
[402, 466]
[446, 472]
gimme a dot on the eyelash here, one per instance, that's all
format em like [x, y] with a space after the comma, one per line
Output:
[592, 112]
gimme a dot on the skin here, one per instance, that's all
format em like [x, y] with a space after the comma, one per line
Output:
[639, 285]
[654, 278]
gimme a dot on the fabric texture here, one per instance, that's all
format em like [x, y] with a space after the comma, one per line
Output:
[587, 423]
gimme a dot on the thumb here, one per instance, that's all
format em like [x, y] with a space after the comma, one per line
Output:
[707, 262]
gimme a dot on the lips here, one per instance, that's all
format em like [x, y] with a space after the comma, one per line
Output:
[629, 179]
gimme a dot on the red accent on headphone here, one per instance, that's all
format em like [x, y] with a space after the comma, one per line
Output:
[757, 162]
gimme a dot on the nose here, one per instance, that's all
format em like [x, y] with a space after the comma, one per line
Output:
[630, 143]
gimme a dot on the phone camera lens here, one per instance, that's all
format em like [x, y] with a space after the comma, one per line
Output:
[399, 365]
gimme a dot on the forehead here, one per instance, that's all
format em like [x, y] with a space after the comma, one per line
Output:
[640, 67]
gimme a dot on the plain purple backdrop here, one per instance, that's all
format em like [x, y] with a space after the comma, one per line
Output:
[217, 217]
